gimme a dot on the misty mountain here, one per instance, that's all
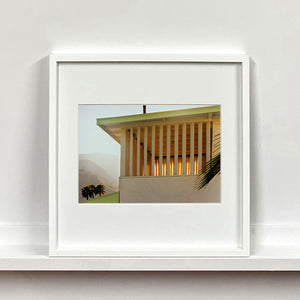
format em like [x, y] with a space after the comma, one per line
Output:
[99, 168]
[109, 163]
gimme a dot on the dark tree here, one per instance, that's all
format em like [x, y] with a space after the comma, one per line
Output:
[85, 192]
[92, 190]
[99, 190]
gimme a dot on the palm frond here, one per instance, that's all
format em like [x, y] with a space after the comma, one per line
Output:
[211, 168]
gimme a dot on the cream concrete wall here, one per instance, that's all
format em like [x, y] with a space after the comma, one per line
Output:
[167, 189]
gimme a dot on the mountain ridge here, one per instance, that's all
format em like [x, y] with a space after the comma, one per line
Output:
[97, 168]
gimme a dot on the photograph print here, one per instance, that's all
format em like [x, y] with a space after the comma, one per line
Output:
[149, 154]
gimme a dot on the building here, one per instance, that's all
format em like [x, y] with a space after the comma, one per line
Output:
[162, 153]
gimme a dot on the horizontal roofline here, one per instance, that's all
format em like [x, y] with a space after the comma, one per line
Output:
[157, 115]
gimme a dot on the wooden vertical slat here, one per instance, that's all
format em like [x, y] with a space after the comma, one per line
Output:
[199, 148]
[153, 152]
[208, 141]
[161, 143]
[168, 148]
[192, 137]
[213, 146]
[131, 152]
[145, 150]
[138, 151]
[123, 152]
[176, 150]
[183, 149]
[216, 138]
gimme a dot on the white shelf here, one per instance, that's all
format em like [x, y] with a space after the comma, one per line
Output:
[276, 258]
[14, 255]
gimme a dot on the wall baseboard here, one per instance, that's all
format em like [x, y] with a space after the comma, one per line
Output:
[18, 233]
[281, 234]
[261, 234]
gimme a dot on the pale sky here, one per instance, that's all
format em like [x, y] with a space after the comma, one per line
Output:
[92, 139]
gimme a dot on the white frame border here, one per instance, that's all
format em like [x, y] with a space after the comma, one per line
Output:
[55, 59]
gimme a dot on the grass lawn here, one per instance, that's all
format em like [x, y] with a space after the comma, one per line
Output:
[111, 198]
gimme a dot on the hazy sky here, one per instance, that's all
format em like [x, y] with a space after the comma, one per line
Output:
[93, 139]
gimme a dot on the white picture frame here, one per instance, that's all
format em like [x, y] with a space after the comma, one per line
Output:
[59, 230]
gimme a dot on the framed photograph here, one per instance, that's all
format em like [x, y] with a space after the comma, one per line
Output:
[149, 155]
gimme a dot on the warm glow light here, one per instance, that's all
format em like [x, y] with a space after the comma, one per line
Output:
[187, 166]
[164, 166]
[172, 166]
[179, 167]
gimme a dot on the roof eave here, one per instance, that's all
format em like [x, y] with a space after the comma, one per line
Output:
[157, 115]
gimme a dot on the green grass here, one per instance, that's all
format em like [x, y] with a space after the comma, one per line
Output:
[111, 198]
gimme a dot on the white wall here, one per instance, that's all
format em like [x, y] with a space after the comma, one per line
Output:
[266, 30]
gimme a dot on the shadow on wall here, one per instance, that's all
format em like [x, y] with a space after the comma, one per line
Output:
[37, 179]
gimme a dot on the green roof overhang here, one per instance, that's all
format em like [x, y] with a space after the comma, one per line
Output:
[112, 126]
[158, 115]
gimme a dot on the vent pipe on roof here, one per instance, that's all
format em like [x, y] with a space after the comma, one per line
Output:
[144, 109]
